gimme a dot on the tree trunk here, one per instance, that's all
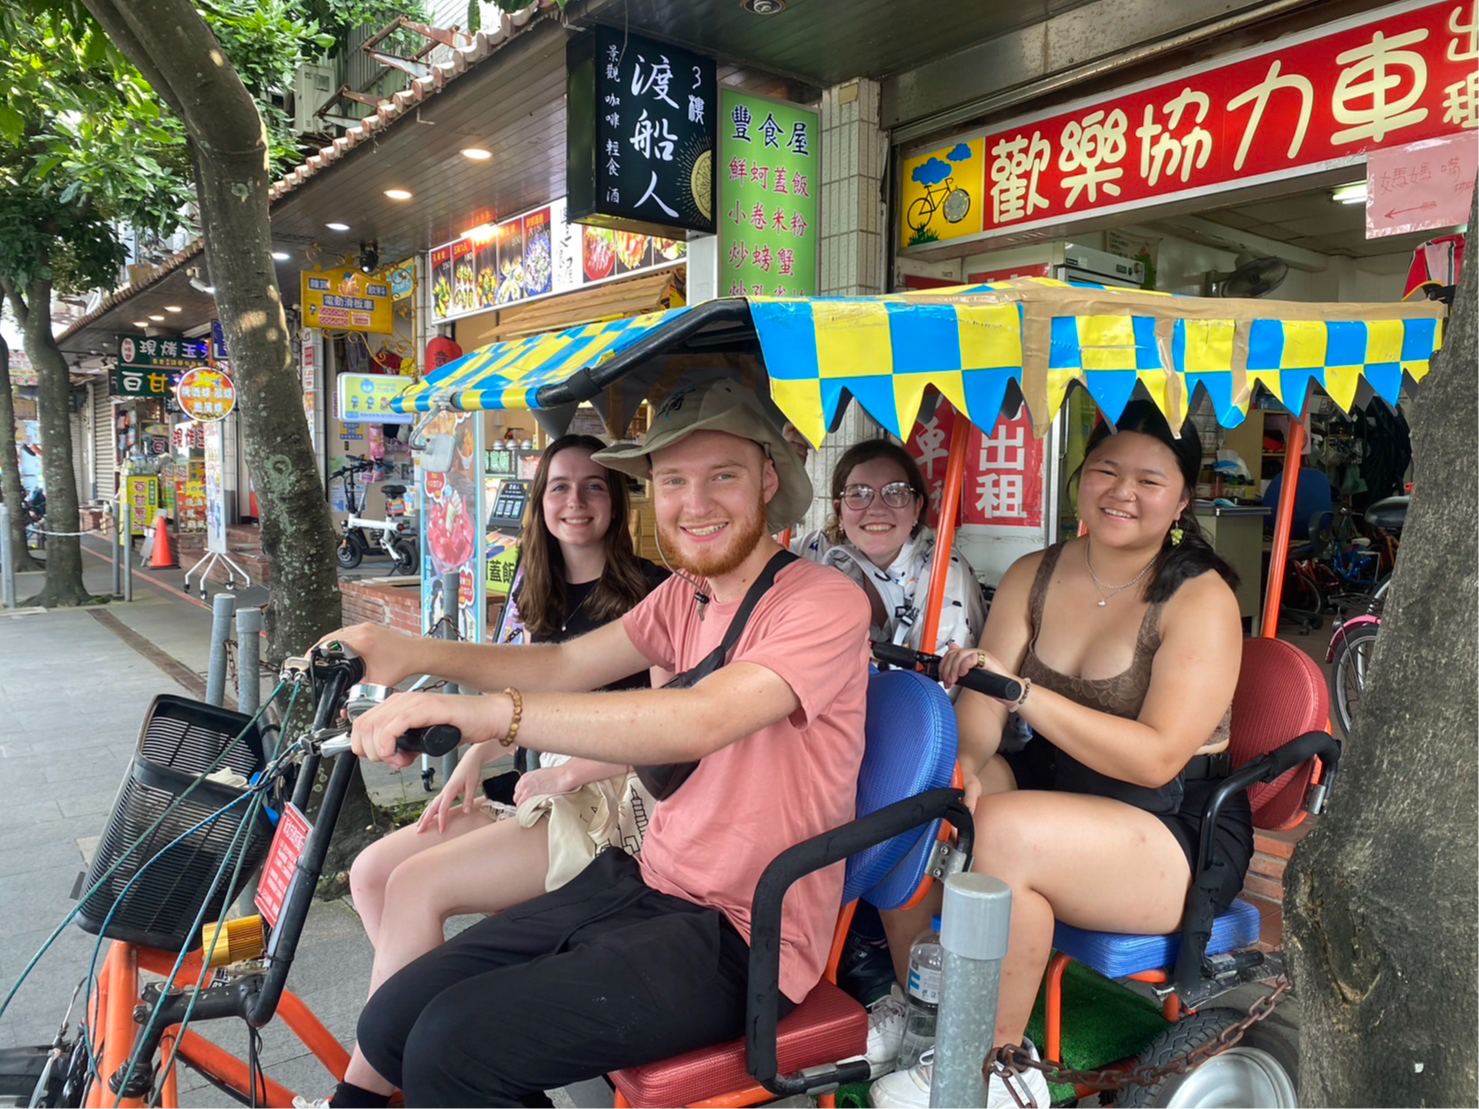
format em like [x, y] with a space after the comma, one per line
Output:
[167, 39]
[63, 552]
[1381, 898]
[11, 490]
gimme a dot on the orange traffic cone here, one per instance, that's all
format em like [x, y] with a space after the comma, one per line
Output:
[164, 551]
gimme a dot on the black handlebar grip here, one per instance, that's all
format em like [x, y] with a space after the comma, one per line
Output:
[436, 740]
[992, 684]
[905, 658]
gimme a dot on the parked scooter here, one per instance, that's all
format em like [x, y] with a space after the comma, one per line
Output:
[33, 508]
[395, 535]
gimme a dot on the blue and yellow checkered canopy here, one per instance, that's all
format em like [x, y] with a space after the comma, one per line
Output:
[977, 346]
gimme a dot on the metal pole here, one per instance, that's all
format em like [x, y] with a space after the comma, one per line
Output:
[7, 559]
[973, 934]
[222, 607]
[248, 660]
[128, 564]
[116, 538]
[451, 585]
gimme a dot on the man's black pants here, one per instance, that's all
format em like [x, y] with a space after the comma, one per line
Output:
[601, 974]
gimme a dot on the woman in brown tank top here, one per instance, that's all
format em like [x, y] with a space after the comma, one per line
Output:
[1128, 643]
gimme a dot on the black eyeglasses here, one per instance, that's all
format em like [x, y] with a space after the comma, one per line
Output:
[896, 494]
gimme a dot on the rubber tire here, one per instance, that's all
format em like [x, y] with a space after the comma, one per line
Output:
[350, 553]
[1302, 603]
[1196, 1030]
[405, 559]
[1357, 640]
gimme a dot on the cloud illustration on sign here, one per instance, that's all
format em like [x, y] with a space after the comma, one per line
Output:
[961, 153]
[931, 172]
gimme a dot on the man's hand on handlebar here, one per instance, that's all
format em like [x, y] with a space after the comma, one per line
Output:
[480, 719]
[389, 656]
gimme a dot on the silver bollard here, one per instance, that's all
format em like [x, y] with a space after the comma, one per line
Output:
[128, 566]
[7, 559]
[222, 607]
[248, 660]
[973, 934]
[451, 586]
[116, 537]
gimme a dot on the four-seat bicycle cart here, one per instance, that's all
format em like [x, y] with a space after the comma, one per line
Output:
[983, 349]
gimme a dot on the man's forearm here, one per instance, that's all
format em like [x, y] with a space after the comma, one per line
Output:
[489, 667]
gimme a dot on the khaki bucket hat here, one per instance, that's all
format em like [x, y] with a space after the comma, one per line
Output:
[721, 406]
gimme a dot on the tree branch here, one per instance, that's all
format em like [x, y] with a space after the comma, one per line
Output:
[112, 20]
[175, 48]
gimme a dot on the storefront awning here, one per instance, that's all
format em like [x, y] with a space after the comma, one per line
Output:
[978, 346]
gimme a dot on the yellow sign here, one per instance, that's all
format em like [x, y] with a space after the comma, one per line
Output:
[143, 502]
[503, 560]
[206, 395]
[942, 194]
[347, 300]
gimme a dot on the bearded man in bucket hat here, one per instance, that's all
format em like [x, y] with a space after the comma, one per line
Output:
[749, 753]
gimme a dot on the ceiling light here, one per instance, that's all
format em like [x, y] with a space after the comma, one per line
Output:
[482, 233]
[476, 154]
[1350, 194]
[140, 323]
[337, 226]
[280, 256]
[157, 319]
[763, 7]
[173, 308]
[398, 194]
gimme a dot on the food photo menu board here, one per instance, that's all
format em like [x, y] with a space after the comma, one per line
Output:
[452, 533]
[535, 255]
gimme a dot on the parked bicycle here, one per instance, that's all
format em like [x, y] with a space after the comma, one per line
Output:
[395, 535]
[1354, 641]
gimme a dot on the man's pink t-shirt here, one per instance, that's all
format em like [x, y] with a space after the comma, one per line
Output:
[748, 802]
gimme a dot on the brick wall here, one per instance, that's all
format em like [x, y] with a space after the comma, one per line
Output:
[1264, 886]
[376, 602]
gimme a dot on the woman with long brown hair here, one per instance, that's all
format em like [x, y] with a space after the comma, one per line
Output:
[577, 571]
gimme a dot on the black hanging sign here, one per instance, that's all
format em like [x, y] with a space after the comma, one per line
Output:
[640, 134]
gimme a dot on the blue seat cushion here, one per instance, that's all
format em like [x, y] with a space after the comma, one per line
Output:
[1119, 956]
[911, 740]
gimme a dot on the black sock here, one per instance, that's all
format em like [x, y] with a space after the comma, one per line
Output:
[349, 1096]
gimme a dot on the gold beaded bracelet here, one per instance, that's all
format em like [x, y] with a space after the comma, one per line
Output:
[513, 729]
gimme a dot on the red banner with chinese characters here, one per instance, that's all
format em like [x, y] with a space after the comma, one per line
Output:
[1003, 484]
[1312, 101]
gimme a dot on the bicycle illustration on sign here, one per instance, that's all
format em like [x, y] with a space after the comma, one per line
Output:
[941, 195]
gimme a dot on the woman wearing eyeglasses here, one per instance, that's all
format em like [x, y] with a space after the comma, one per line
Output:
[878, 538]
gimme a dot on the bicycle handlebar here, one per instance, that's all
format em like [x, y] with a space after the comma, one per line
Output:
[982, 681]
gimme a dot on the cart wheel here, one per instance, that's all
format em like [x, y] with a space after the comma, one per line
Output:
[403, 556]
[350, 552]
[1259, 1072]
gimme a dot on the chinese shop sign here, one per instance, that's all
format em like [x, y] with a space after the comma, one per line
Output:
[1003, 484]
[149, 366]
[1421, 187]
[346, 300]
[141, 383]
[206, 395]
[365, 399]
[142, 494]
[768, 183]
[537, 254]
[640, 136]
[1309, 102]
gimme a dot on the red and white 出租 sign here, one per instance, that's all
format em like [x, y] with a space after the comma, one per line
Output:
[1003, 484]
[1305, 103]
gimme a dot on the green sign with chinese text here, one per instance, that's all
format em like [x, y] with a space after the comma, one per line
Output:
[769, 178]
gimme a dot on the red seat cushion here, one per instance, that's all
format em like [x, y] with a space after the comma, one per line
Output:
[828, 1026]
[1281, 695]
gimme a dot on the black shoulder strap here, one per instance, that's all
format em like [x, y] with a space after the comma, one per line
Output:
[761, 585]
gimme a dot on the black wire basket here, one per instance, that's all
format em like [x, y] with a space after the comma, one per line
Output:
[180, 740]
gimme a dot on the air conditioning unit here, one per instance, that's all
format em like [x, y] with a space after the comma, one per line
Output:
[313, 87]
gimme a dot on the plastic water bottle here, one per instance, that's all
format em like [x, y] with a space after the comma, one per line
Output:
[926, 963]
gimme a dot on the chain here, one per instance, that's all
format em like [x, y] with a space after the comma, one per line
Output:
[1009, 1062]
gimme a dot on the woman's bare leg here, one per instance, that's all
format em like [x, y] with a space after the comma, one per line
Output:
[1088, 861]
[374, 865]
[486, 870]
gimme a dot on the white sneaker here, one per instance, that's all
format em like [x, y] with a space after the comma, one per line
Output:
[911, 1089]
[886, 1019]
[301, 1102]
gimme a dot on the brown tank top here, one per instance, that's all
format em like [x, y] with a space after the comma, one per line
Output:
[1122, 695]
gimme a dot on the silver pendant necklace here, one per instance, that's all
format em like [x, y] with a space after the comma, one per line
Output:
[565, 625]
[1108, 591]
